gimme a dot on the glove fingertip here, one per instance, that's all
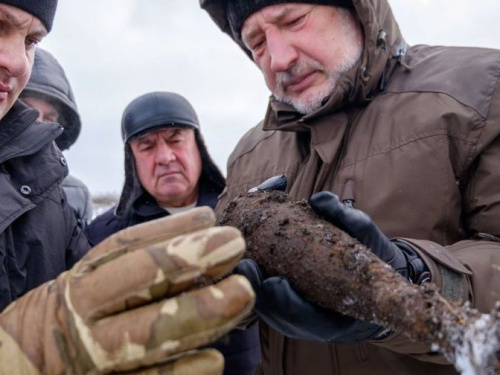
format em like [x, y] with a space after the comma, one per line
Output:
[323, 198]
[250, 269]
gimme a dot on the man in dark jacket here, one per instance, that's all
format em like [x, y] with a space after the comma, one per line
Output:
[408, 135]
[49, 91]
[39, 235]
[169, 170]
[131, 303]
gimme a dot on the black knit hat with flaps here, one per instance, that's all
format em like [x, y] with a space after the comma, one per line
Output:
[239, 10]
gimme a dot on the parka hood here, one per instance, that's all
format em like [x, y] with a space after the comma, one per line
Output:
[49, 82]
[384, 46]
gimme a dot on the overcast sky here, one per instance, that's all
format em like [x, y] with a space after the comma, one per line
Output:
[116, 50]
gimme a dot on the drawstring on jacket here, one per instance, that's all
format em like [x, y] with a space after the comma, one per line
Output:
[399, 55]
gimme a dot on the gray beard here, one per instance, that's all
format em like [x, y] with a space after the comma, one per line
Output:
[314, 101]
[352, 52]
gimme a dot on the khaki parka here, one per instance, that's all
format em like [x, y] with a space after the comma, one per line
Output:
[411, 135]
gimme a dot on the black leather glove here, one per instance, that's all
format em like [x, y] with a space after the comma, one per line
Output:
[357, 224]
[283, 309]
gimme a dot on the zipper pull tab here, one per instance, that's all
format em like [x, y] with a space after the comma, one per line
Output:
[348, 202]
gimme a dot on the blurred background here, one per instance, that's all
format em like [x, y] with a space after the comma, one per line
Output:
[116, 50]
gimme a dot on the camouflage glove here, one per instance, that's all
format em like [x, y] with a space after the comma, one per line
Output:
[131, 304]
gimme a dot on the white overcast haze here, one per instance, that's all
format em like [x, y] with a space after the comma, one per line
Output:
[116, 50]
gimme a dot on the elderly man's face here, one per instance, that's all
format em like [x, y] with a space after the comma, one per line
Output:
[168, 165]
[303, 49]
[19, 34]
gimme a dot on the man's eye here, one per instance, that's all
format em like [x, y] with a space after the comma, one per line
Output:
[295, 21]
[31, 42]
[50, 119]
[259, 43]
[176, 140]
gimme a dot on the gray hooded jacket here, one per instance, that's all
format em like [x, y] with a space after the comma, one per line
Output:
[49, 82]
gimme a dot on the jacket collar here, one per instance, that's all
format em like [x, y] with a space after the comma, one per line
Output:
[21, 134]
[27, 177]
[146, 207]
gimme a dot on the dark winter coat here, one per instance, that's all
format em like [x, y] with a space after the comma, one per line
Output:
[39, 235]
[411, 135]
[240, 348]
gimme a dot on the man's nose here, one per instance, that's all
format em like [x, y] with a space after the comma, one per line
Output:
[281, 51]
[164, 153]
[13, 57]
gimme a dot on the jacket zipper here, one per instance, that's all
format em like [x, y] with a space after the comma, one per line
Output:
[348, 189]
